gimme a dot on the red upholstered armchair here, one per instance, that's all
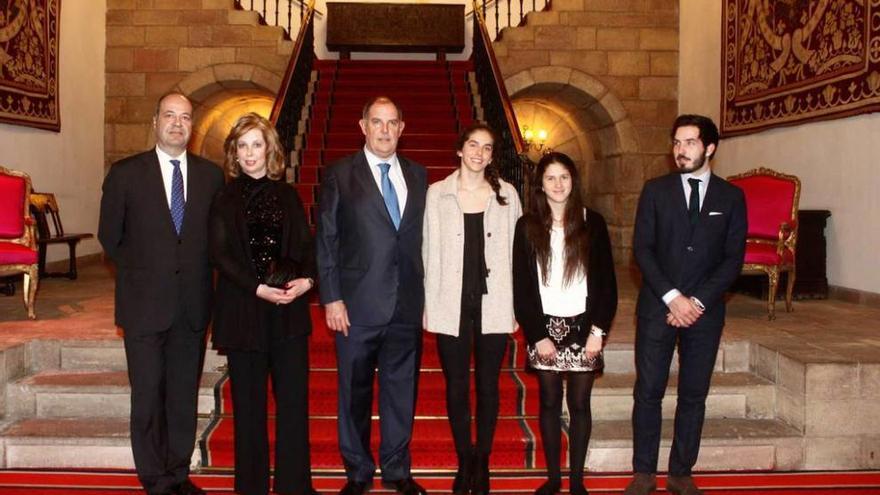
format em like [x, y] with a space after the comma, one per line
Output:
[18, 242]
[772, 204]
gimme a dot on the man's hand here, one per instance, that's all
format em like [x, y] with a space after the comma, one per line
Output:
[337, 317]
[682, 312]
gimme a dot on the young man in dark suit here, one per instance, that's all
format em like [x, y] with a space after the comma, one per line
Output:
[689, 243]
[154, 226]
[369, 245]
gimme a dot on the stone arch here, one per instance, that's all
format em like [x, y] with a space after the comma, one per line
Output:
[220, 93]
[596, 126]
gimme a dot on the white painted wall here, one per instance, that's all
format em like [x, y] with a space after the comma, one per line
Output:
[70, 163]
[836, 160]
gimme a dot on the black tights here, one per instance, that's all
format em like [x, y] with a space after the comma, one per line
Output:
[580, 386]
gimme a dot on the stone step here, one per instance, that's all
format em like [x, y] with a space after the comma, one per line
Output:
[110, 355]
[83, 394]
[732, 395]
[728, 445]
[72, 443]
[733, 356]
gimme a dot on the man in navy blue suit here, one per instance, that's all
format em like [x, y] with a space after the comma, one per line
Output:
[689, 243]
[369, 246]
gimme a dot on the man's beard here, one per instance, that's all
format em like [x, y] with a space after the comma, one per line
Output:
[696, 164]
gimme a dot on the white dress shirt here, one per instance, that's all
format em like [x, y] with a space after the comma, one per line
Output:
[395, 174]
[167, 170]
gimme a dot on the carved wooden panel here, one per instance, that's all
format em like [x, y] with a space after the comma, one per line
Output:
[395, 27]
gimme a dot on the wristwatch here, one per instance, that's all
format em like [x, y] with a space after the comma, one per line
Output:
[598, 332]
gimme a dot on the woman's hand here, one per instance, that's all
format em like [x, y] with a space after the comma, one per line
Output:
[594, 346]
[274, 295]
[299, 286]
[546, 349]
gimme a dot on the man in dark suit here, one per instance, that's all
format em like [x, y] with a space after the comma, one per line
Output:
[689, 243]
[369, 245]
[154, 226]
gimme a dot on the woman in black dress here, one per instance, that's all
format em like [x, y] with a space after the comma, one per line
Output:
[264, 254]
[564, 297]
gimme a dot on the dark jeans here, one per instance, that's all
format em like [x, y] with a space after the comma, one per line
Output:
[287, 362]
[455, 358]
[697, 349]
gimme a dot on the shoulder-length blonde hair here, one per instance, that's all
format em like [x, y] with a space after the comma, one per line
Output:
[274, 152]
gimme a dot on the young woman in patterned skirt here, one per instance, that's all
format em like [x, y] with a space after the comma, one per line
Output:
[565, 296]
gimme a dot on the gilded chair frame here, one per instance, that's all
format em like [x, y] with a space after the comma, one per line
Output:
[786, 240]
[28, 239]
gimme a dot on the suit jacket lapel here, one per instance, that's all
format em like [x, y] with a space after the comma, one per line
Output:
[364, 176]
[155, 187]
[410, 179]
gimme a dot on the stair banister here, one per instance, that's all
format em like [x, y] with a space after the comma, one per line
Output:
[289, 102]
[497, 108]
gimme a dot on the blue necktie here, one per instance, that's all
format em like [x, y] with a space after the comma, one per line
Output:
[177, 201]
[694, 201]
[390, 195]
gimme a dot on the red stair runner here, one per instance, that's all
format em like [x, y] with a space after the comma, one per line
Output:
[436, 103]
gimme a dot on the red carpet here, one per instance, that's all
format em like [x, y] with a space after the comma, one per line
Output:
[118, 483]
[436, 102]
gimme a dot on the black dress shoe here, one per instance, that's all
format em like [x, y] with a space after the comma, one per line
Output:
[353, 488]
[188, 488]
[408, 486]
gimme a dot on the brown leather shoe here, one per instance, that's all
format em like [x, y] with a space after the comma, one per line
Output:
[641, 484]
[682, 485]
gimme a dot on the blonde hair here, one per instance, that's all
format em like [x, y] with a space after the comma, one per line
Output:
[274, 153]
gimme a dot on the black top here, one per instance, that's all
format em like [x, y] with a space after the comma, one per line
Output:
[263, 213]
[474, 270]
[601, 304]
[238, 313]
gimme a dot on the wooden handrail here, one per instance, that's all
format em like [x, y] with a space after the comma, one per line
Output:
[499, 81]
[291, 65]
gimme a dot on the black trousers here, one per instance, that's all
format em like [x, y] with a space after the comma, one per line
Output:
[697, 350]
[455, 358]
[287, 362]
[164, 370]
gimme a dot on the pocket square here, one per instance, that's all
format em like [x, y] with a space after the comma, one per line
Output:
[713, 213]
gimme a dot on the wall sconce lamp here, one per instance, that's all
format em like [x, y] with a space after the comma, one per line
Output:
[536, 140]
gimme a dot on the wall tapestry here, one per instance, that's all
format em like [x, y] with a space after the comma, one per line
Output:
[29, 63]
[787, 62]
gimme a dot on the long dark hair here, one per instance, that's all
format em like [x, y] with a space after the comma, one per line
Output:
[492, 171]
[539, 221]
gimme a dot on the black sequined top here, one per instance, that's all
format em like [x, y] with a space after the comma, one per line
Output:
[264, 216]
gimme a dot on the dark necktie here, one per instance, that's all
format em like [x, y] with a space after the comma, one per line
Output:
[694, 201]
[390, 195]
[177, 201]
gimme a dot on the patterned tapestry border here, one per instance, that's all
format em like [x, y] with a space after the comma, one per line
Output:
[29, 63]
[787, 62]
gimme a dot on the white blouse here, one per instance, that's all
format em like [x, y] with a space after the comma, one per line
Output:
[558, 299]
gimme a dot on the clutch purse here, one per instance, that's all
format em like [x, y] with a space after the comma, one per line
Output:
[280, 272]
